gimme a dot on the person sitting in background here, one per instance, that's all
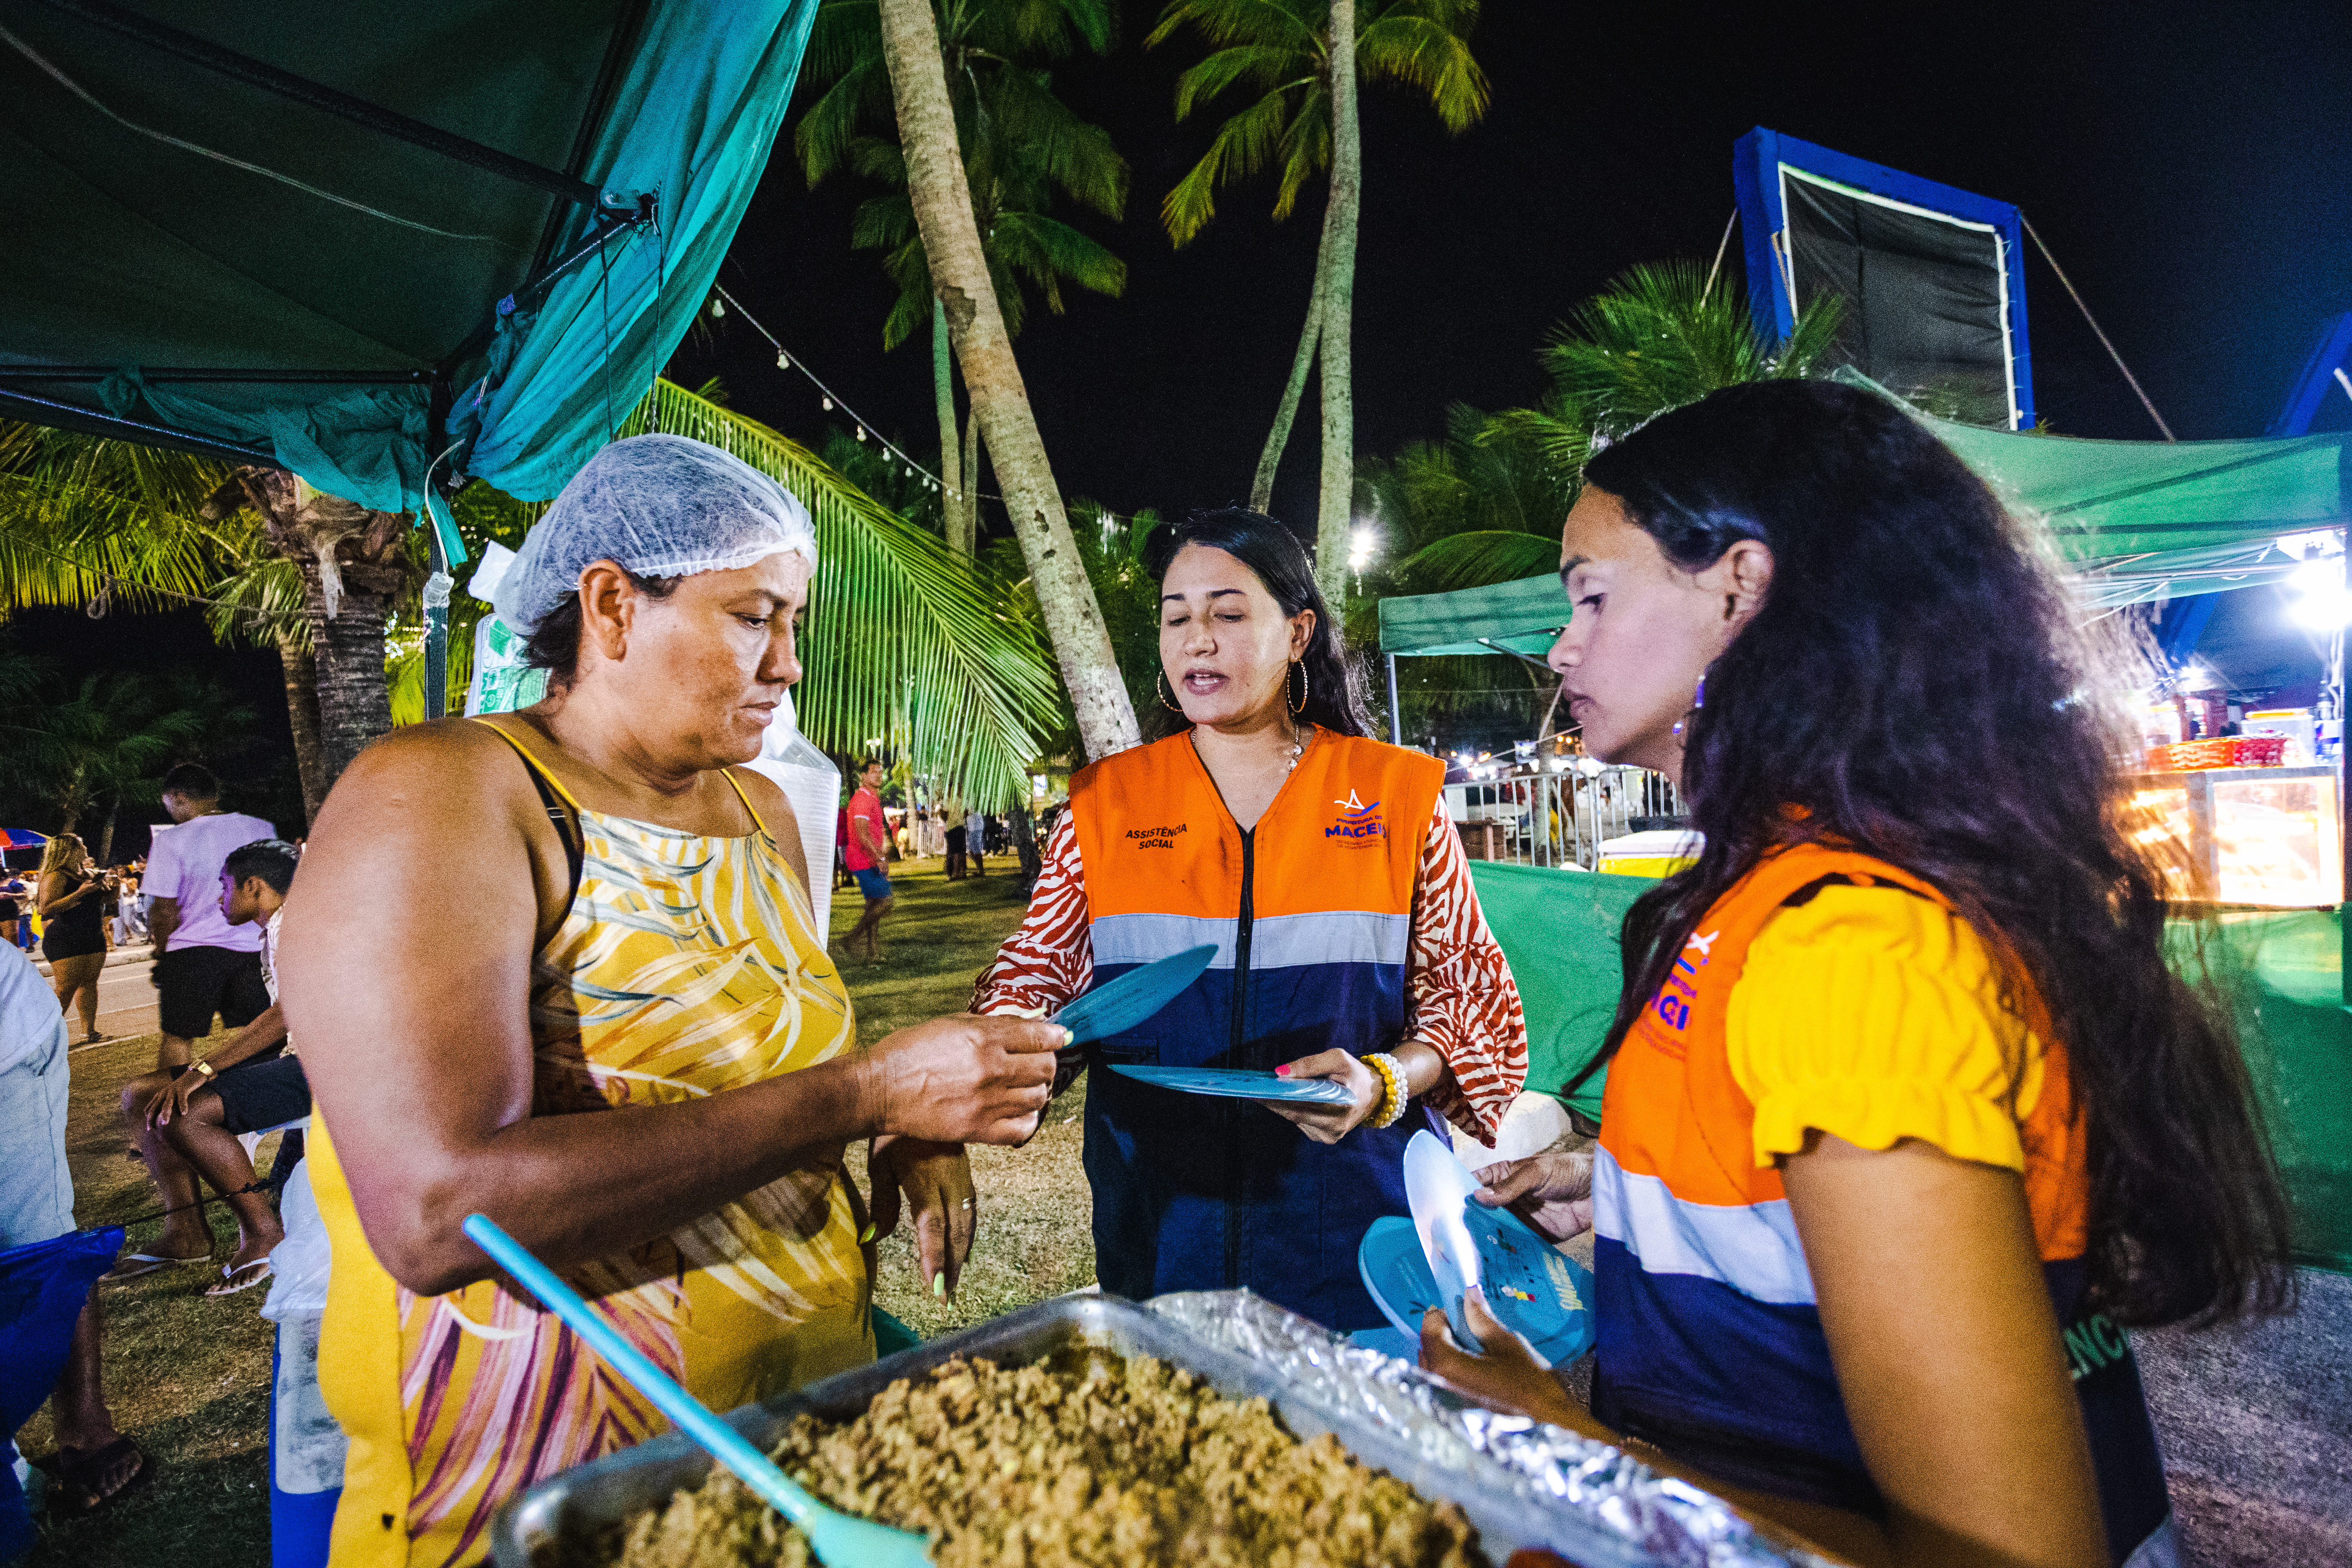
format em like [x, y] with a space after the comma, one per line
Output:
[203, 964]
[186, 1122]
[11, 910]
[73, 929]
[96, 1465]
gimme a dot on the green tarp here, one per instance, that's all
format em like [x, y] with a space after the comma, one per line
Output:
[2283, 972]
[1559, 929]
[188, 250]
[2136, 520]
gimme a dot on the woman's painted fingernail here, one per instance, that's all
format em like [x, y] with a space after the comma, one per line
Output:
[1069, 1038]
[865, 1236]
[1282, 1072]
[939, 1285]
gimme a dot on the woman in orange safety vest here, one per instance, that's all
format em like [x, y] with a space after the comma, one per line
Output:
[1907, 1113]
[1350, 944]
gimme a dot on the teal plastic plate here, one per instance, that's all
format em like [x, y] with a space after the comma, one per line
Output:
[1530, 1287]
[1237, 1083]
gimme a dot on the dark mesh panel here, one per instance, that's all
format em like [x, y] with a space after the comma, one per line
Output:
[1922, 297]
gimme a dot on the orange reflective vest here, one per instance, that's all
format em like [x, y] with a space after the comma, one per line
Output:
[1312, 914]
[1709, 1343]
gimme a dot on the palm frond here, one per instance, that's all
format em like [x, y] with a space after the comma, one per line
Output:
[1305, 149]
[902, 640]
[1048, 252]
[1419, 53]
[1266, 67]
[1243, 145]
[83, 519]
[1294, 25]
[1478, 560]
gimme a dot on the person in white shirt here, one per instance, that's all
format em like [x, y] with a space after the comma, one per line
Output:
[204, 965]
[96, 1465]
[187, 1122]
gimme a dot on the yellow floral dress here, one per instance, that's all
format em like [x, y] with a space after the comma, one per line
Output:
[686, 966]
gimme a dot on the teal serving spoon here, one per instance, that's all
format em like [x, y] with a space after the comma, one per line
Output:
[840, 1540]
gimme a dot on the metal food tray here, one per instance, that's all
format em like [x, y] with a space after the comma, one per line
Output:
[573, 1506]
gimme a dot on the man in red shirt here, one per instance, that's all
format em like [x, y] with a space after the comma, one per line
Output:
[864, 851]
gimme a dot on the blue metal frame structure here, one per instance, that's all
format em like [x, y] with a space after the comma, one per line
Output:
[2328, 364]
[1758, 160]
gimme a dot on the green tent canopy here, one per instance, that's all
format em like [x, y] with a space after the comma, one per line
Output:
[2135, 520]
[362, 243]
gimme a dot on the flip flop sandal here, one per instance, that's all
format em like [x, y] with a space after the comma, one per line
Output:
[138, 1265]
[76, 1494]
[230, 1286]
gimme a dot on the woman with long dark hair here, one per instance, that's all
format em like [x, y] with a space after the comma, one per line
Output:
[1321, 863]
[1908, 1112]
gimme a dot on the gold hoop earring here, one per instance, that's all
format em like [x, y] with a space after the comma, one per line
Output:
[1299, 667]
[1159, 690]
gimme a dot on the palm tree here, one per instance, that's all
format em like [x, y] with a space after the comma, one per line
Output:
[940, 196]
[108, 741]
[1481, 506]
[1021, 145]
[907, 640]
[1659, 337]
[90, 520]
[1303, 58]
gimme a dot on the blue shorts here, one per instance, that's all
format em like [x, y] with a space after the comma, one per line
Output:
[874, 884]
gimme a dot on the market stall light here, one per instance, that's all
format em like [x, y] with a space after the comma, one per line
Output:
[2324, 609]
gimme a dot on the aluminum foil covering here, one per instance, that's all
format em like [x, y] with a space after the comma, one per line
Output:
[1669, 1520]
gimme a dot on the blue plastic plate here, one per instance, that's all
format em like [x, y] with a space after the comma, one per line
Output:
[1530, 1287]
[1237, 1083]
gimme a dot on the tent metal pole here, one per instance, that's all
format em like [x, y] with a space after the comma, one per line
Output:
[326, 100]
[43, 411]
[1396, 714]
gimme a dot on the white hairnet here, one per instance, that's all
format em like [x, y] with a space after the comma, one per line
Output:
[662, 506]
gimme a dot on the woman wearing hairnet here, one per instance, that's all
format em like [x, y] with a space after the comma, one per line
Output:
[624, 1041]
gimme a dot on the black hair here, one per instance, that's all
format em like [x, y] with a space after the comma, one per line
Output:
[1917, 685]
[271, 860]
[1335, 680]
[192, 780]
[553, 645]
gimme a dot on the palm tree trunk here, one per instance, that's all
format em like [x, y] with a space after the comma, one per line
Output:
[106, 831]
[1269, 460]
[941, 197]
[967, 495]
[959, 538]
[351, 568]
[302, 716]
[347, 648]
[1334, 301]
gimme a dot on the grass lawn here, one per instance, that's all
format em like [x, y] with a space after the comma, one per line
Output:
[190, 1378]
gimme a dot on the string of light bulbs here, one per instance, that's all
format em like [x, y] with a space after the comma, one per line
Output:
[786, 359]
[831, 399]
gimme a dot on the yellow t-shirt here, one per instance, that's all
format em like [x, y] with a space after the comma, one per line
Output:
[1876, 1016]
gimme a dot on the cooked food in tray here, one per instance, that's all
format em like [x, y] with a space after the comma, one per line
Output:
[1089, 1458]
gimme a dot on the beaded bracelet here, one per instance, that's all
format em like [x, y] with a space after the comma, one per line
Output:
[1393, 1098]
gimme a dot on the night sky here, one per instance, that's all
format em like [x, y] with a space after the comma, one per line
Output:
[2189, 165]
